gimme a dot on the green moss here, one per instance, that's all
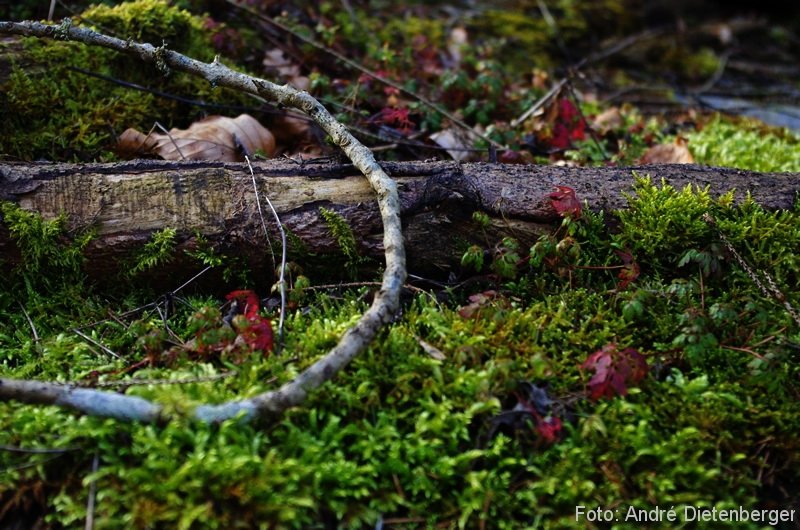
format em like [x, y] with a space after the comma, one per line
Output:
[343, 234]
[50, 110]
[746, 144]
[663, 219]
[155, 22]
[401, 435]
[159, 250]
[50, 258]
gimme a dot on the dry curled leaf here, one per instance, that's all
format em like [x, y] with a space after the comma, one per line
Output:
[674, 153]
[213, 138]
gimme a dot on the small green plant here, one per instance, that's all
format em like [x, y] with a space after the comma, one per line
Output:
[158, 251]
[473, 257]
[506, 258]
[661, 219]
[50, 257]
[343, 234]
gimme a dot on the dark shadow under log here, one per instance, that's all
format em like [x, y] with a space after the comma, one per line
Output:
[126, 202]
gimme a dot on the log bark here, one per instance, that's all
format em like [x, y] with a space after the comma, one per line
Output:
[126, 202]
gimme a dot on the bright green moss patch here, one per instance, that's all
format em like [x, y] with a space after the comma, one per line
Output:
[53, 108]
[746, 144]
[400, 435]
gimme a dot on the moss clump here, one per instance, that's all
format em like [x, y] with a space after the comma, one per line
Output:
[746, 144]
[153, 21]
[527, 40]
[50, 110]
[401, 435]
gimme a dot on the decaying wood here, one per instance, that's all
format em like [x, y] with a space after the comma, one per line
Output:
[126, 202]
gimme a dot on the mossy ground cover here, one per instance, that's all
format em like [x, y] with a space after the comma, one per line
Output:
[407, 438]
[411, 433]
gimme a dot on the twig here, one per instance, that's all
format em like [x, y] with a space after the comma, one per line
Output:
[171, 139]
[770, 290]
[715, 77]
[364, 284]
[86, 337]
[180, 99]
[282, 275]
[592, 132]
[551, 23]
[30, 464]
[92, 493]
[193, 278]
[385, 305]
[30, 322]
[540, 103]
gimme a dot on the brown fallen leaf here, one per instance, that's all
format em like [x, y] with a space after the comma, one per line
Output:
[213, 138]
[674, 153]
[607, 120]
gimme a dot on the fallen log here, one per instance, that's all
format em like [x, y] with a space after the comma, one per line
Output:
[126, 202]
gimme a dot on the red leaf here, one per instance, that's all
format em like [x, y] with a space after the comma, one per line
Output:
[256, 332]
[559, 139]
[248, 298]
[565, 202]
[549, 428]
[614, 371]
[567, 126]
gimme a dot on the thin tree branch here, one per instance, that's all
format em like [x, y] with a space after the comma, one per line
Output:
[383, 309]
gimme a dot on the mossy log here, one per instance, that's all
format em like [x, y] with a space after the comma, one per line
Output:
[124, 203]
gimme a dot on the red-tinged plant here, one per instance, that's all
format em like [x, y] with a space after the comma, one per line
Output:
[547, 426]
[614, 371]
[568, 127]
[565, 203]
[629, 271]
[397, 118]
[248, 301]
[254, 329]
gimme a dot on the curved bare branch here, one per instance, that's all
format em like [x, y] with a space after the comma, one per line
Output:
[354, 340]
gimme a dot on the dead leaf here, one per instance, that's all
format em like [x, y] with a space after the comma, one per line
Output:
[607, 120]
[298, 136]
[214, 138]
[275, 60]
[431, 350]
[457, 142]
[674, 153]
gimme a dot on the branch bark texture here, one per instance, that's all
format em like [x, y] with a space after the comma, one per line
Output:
[124, 203]
[386, 302]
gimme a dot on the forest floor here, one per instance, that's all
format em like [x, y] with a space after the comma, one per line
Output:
[628, 367]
